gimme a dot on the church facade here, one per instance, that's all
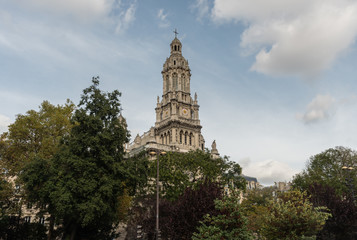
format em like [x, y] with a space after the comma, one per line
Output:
[177, 127]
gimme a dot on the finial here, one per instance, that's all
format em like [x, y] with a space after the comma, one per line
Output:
[195, 96]
[214, 146]
[158, 99]
[176, 33]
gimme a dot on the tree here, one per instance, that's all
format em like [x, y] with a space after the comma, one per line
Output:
[181, 170]
[12, 228]
[180, 218]
[87, 175]
[326, 168]
[178, 173]
[343, 223]
[6, 195]
[254, 205]
[292, 216]
[228, 223]
[332, 186]
[34, 134]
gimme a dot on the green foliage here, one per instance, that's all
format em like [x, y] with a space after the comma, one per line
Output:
[85, 178]
[6, 196]
[34, 134]
[180, 218]
[13, 228]
[181, 170]
[255, 205]
[137, 174]
[343, 223]
[326, 168]
[229, 223]
[292, 216]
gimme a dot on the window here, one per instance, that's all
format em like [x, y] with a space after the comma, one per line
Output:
[17, 188]
[174, 62]
[174, 79]
[181, 136]
[186, 138]
[183, 80]
[41, 221]
[27, 219]
[167, 83]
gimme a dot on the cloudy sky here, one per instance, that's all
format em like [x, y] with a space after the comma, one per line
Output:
[276, 80]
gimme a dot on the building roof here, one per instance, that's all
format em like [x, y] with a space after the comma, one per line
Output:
[250, 179]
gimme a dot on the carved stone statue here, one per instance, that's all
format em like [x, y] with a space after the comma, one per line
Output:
[214, 146]
[214, 151]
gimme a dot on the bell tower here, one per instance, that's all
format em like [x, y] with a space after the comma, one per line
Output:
[177, 114]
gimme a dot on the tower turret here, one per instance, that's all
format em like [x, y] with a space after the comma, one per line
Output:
[177, 121]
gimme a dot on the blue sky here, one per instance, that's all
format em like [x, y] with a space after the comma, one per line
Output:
[276, 80]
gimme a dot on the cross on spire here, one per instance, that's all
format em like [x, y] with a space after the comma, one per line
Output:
[176, 33]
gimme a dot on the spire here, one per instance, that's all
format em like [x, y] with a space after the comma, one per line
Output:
[176, 45]
[176, 33]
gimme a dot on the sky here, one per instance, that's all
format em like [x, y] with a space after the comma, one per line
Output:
[276, 80]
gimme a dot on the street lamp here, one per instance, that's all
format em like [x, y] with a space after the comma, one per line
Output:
[349, 180]
[157, 153]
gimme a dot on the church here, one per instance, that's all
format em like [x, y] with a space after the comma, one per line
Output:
[177, 127]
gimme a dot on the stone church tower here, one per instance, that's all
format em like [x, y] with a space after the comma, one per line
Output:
[177, 127]
[177, 119]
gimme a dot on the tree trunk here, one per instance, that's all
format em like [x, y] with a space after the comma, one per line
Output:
[74, 231]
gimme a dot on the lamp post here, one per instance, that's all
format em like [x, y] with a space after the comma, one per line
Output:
[157, 153]
[349, 180]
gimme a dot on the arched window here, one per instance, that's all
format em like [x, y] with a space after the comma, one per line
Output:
[175, 47]
[174, 80]
[181, 133]
[169, 137]
[183, 82]
[167, 83]
[186, 138]
[191, 138]
[178, 48]
[174, 62]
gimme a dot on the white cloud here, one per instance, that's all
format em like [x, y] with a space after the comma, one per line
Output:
[164, 23]
[62, 12]
[320, 108]
[267, 172]
[82, 9]
[202, 7]
[126, 17]
[297, 37]
[4, 123]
